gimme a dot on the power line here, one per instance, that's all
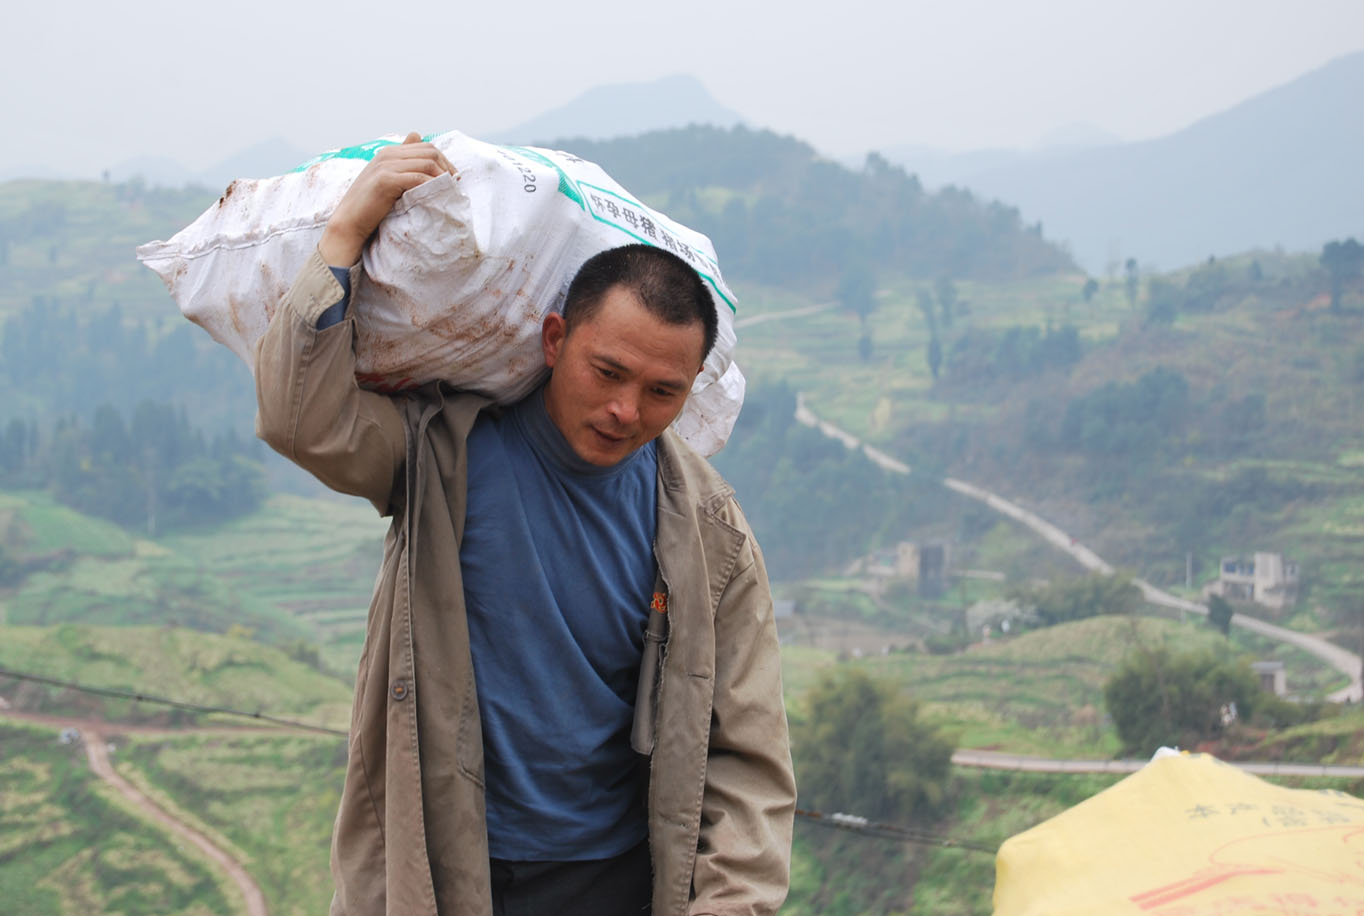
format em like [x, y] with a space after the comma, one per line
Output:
[861, 825]
[837, 821]
[165, 701]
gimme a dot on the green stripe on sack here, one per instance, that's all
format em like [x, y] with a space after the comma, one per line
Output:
[634, 232]
[567, 186]
[363, 151]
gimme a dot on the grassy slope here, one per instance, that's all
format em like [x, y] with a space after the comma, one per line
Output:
[270, 798]
[297, 569]
[1041, 692]
[266, 796]
[75, 240]
[1300, 356]
[68, 844]
[309, 561]
[193, 667]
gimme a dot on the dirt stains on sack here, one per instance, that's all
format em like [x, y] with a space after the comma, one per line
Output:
[381, 353]
[234, 311]
[228, 193]
[454, 326]
[270, 280]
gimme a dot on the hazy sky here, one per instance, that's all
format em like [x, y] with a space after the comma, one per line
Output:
[89, 84]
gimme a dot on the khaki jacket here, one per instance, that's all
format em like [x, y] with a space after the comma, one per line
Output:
[410, 835]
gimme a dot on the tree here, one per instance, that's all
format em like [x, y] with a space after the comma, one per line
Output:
[1206, 286]
[857, 291]
[10, 569]
[1162, 302]
[1220, 614]
[864, 347]
[934, 356]
[1128, 420]
[1159, 697]
[864, 749]
[924, 299]
[947, 299]
[1343, 262]
[1132, 281]
[1090, 288]
[13, 448]
[1075, 599]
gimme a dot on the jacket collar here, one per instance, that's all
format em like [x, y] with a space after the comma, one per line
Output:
[681, 471]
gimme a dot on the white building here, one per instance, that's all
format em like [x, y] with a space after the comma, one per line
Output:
[1262, 578]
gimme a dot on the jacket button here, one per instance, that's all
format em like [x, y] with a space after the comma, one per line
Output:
[399, 690]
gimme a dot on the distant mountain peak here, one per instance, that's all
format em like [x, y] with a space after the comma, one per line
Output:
[626, 109]
[1279, 168]
[1074, 136]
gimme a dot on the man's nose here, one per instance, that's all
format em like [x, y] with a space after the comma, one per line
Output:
[625, 407]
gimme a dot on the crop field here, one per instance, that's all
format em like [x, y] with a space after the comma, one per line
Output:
[876, 398]
[173, 662]
[42, 525]
[68, 844]
[100, 225]
[310, 562]
[267, 798]
[1042, 692]
[1338, 739]
[299, 569]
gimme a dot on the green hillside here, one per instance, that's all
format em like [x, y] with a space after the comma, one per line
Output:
[172, 662]
[73, 241]
[1256, 445]
[1041, 693]
[69, 845]
[780, 214]
[1158, 418]
[296, 573]
[269, 798]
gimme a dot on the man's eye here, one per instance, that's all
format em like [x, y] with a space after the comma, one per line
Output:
[607, 373]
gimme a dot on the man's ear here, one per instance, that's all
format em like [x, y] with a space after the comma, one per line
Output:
[552, 335]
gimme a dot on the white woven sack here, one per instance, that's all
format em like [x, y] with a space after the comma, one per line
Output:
[458, 278]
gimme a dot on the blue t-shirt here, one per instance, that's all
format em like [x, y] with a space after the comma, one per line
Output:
[558, 568]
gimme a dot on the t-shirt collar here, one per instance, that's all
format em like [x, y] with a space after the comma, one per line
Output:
[544, 436]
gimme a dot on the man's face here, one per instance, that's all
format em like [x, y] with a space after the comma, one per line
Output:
[619, 378]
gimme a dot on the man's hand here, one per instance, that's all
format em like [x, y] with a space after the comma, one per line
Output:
[392, 172]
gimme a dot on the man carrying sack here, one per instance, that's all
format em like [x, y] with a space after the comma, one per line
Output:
[569, 697]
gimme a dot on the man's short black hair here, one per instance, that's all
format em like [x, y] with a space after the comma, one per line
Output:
[665, 285]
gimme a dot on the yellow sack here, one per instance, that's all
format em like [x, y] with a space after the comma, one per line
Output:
[1189, 835]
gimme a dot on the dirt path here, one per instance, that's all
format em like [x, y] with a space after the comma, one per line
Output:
[750, 320]
[96, 751]
[1343, 660]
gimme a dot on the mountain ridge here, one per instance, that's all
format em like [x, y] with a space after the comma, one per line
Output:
[625, 109]
[1273, 170]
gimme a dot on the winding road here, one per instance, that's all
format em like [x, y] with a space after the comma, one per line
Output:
[97, 753]
[1343, 660]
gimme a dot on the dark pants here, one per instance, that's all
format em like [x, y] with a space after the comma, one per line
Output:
[620, 886]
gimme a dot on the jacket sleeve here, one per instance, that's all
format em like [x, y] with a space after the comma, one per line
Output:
[743, 861]
[309, 407]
